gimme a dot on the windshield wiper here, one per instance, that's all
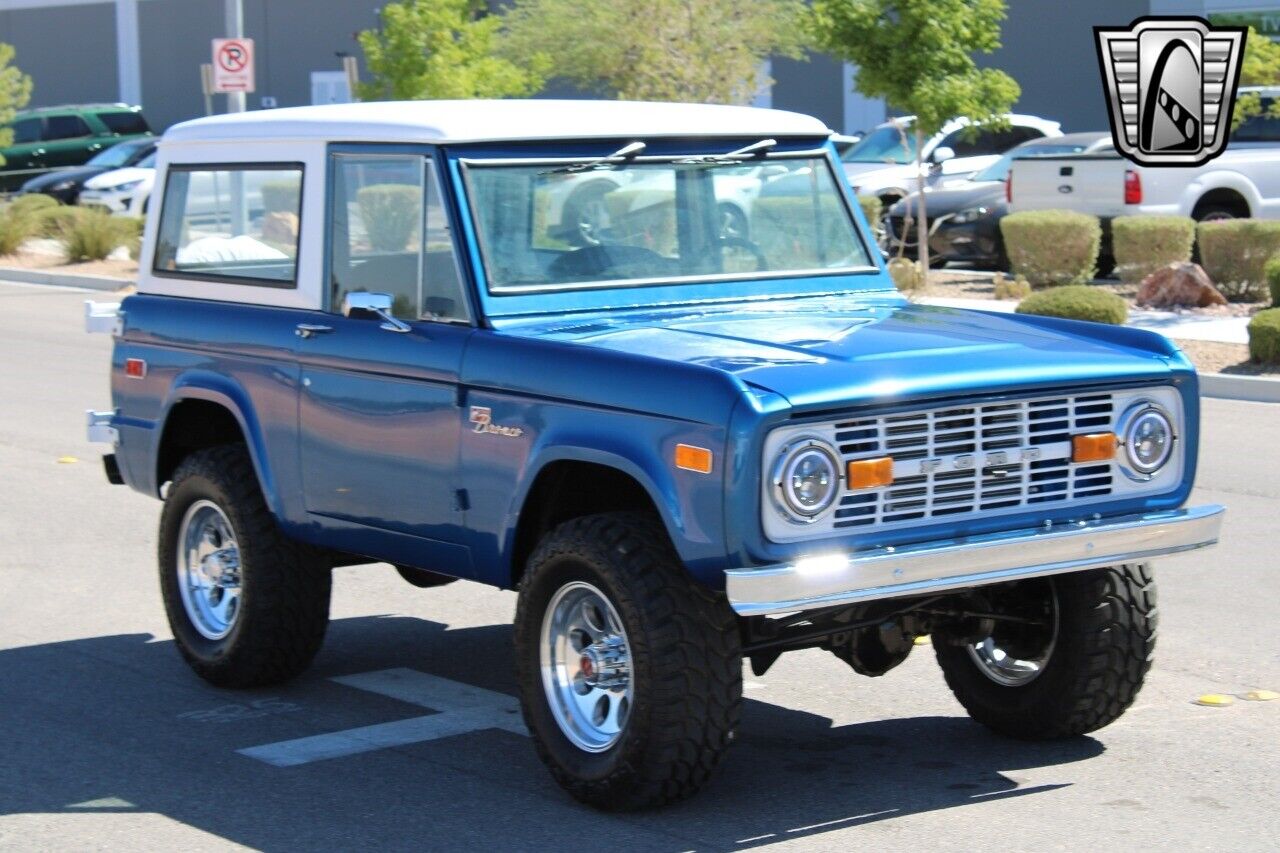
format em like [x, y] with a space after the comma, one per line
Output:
[626, 152]
[755, 149]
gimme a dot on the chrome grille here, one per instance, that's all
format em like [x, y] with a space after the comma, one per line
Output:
[970, 459]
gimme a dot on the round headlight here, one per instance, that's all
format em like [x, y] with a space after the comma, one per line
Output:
[1148, 440]
[806, 479]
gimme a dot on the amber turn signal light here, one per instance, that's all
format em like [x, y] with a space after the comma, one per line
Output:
[870, 473]
[690, 458]
[1094, 447]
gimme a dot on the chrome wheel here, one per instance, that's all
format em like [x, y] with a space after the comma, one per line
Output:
[209, 570]
[1019, 660]
[586, 667]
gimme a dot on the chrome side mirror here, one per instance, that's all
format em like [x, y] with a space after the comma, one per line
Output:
[378, 304]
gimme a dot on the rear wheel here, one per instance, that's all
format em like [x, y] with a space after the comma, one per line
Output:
[1071, 659]
[630, 673]
[247, 605]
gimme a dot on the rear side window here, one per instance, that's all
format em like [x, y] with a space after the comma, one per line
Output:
[231, 223]
[124, 124]
[27, 130]
[65, 127]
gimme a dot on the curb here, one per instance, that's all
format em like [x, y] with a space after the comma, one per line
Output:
[58, 279]
[1257, 389]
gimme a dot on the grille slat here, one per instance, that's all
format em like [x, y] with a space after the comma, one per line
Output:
[954, 462]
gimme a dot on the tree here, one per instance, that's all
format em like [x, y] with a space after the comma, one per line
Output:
[441, 49]
[1260, 66]
[709, 51]
[15, 92]
[918, 56]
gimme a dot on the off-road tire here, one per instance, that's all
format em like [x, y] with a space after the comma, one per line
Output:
[686, 663]
[1106, 637]
[285, 585]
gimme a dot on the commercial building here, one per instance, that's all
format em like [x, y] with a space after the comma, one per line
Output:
[149, 52]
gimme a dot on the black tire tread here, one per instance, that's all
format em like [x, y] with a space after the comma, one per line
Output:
[1105, 649]
[286, 613]
[691, 640]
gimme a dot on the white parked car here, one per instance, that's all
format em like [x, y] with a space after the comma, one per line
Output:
[883, 163]
[122, 192]
[1244, 181]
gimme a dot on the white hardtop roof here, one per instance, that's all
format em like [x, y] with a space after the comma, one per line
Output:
[495, 121]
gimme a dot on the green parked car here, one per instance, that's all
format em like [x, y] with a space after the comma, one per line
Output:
[53, 138]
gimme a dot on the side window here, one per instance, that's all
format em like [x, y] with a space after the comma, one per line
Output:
[986, 142]
[124, 124]
[26, 131]
[65, 127]
[233, 223]
[391, 234]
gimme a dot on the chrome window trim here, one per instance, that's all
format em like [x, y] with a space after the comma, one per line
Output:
[644, 158]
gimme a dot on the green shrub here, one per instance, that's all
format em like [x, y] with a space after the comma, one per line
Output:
[1143, 244]
[872, 209]
[134, 231]
[96, 234]
[15, 228]
[53, 222]
[1052, 247]
[390, 213]
[1077, 302]
[1264, 336]
[1272, 272]
[1015, 288]
[281, 196]
[1234, 253]
[34, 203]
[906, 275]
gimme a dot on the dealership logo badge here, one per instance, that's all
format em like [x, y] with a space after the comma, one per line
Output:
[1171, 85]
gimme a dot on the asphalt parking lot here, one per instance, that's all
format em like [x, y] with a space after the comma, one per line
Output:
[108, 741]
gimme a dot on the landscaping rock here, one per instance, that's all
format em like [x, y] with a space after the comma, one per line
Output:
[1179, 286]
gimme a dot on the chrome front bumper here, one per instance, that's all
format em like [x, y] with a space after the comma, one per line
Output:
[825, 581]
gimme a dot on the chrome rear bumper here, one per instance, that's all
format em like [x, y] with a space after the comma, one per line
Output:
[824, 581]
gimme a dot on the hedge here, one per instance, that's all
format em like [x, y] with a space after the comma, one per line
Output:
[390, 213]
[1235, 253]
[1264, 336]
[1272, 272]
[1052, 247]
[1077, 302]
[1143, 244]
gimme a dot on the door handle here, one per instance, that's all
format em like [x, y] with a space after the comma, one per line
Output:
[38, 152]
[308, 330]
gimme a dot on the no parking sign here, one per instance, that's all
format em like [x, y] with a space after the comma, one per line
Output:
[233, 65]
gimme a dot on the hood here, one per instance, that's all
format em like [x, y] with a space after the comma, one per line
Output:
[940, 202]
[116, 177]
[41, 182]
[822, 351]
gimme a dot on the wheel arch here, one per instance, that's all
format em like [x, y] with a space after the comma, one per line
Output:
[1225, 190]
[206, 410]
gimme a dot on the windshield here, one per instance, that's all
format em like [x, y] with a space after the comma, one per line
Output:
[884, 145]
[116, 156]
[545, 228]
[999, 170]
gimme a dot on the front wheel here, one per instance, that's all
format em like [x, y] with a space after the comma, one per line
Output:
[1070, 658]
[630, 674]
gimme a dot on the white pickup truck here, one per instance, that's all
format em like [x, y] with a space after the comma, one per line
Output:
[1243, 182]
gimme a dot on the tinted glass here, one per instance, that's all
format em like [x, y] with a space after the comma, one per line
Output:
[26, 130]
[237, 224]
[65, 127]
[884, 145]
[123, 154]
[1264, 127]
[549, 228]
[124, 124]
[391, 235]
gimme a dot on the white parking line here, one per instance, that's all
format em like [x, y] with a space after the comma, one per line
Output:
[461, 708]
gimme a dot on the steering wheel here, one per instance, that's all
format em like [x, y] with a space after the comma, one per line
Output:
[727, 240]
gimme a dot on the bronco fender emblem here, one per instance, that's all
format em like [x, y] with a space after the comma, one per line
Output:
[482, 419]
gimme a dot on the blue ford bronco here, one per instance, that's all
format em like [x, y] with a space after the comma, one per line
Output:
[642, 364]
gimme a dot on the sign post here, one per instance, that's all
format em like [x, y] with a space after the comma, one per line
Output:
[206, 86]
[233, 66]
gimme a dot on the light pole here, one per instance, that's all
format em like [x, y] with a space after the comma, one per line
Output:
[235, 30]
